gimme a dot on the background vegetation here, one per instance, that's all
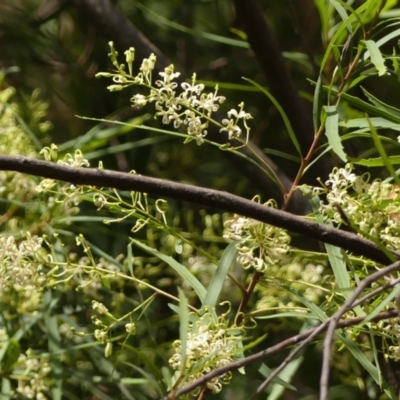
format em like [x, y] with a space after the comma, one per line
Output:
[62, 267]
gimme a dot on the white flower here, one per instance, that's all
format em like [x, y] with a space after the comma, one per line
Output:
[238, 115]
[139, 100]
[231, 127]
[99, 307]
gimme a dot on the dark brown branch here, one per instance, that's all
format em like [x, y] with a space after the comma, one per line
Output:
[276, 349]
[199, 195]
[114, 26]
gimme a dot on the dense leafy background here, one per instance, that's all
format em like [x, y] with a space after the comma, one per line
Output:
[53, 49]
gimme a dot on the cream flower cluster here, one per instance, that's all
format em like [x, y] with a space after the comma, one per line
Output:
[260, 245]
[22, 270]
[34, 383]
[302, 274]
[191, 107]
[391, 328]
[208, 346]
[72, 194]
[371, 208]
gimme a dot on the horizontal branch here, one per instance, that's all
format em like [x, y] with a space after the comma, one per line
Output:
[199, 195]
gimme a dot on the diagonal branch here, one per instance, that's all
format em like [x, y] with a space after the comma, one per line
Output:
[199, 195]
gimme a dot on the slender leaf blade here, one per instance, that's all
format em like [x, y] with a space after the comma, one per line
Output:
[376, 57]
[179, 268]
[217, 281]
[332, 131]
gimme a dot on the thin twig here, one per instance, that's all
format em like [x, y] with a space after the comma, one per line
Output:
[307, 159]
[333, 323]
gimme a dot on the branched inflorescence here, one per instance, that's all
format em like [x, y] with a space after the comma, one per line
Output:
[191, 107]
[210, 344]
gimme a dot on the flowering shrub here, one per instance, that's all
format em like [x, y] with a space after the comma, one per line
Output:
[210, 344]
[372, 208]
[100, 315]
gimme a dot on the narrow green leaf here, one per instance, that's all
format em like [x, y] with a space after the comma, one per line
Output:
[286, 375]
[366, 363]
[281, 112]
[342, 277]
[294, 314]
[106, 282]
[130, 258]
[332, 131]
[383, 40]
[11, 355]
[5, 389]
[134, 381]
[337, 37]
[151, 381]
[183, 325]
[51, 299]
[395, 112]
[167, 377]
[157, 17]
[378, 123]
[317, 103]
[312, 307]
[363, 105]
[382, 152]
[265, 371]
[179, 268]
[376, 57]
[381, 306]
[217, 281]
[342, 12]
[376, 162]
[282, 155]
[322, 7]
[26, 129]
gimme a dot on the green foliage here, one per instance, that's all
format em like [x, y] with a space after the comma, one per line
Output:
[114, 294]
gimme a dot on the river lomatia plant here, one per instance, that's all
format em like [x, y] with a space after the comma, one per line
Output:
[192, 304]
